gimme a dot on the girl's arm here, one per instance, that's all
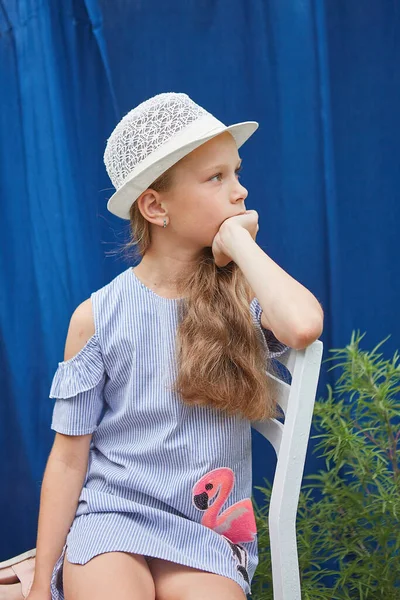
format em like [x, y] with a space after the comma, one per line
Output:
[61, 487]
[290, 311]
[65, 471]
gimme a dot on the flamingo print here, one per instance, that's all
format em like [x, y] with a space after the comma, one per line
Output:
[237, 523]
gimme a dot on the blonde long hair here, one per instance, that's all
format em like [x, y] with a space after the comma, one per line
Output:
[220, 358]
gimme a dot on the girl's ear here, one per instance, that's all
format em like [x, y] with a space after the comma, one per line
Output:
[150, 205]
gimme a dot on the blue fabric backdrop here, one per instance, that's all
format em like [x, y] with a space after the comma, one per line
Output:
[322, 79]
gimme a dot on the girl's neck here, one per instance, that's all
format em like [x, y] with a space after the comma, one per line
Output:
[162, 276]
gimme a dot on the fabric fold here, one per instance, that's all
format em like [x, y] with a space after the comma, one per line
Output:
[80, 373]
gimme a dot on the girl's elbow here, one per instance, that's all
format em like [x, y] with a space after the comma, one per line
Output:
[305, 336]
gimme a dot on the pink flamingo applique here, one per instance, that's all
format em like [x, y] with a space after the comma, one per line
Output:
[237, 523]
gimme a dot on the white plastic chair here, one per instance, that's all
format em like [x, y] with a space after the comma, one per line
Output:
[290, 441]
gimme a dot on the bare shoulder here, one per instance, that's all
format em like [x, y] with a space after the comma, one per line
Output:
[81, 328]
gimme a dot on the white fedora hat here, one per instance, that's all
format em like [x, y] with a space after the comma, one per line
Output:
[154, 136]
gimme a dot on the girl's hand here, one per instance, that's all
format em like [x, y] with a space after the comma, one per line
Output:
[223, 243]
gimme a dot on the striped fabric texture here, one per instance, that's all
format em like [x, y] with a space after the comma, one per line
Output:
[164, 479]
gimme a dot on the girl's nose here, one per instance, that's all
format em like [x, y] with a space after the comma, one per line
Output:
[240, 193]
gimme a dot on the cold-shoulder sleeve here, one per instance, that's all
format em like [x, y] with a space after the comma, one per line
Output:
[78, 388]
[273, 345]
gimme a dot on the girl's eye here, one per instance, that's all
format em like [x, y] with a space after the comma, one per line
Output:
[214, 176]
[220, 174]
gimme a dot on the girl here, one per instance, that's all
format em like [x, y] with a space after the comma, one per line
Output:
[146, 494]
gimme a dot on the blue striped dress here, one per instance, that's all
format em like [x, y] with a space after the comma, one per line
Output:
[164, 479]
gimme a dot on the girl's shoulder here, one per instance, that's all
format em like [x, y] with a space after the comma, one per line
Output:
[116, 303]
[110, 294]
[117, 282]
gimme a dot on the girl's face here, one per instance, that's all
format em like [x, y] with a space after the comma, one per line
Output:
[205, 191]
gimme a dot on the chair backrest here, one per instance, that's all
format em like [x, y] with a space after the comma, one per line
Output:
[290, 441]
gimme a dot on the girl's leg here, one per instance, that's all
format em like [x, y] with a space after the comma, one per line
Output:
[116, 575]
[178, 582]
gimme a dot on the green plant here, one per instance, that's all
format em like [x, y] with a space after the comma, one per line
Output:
[348, 529]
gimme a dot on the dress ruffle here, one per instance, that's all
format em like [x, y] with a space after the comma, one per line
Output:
[80, 373]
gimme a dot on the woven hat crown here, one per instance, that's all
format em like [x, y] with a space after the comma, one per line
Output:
[144, 129]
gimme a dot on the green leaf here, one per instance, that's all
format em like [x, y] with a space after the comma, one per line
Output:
[348, 540]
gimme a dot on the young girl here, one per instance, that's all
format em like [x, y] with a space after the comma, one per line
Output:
[147, 490]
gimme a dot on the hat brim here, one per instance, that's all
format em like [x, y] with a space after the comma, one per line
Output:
[120, 202]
